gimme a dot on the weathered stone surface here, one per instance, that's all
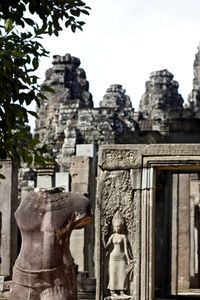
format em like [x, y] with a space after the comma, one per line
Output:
[62, 180]
[114, 194]
[86, 150]
[118, 298]
[80, 173]
[46, 177]
[147, 210]
[120, 260]
[8, 227]
[66, 118]
[56, 114]
[44, 268]
[194, 97]
[161, 99]
[115, 97]
[129, 156]
[86, 286]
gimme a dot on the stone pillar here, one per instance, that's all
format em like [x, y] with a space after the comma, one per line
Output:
[83, 180]
[184, 233]
[79, 183]
[118, 191]
[80, 174]
[62, 180]
[8, 227]
[46, 177]
[147, 234]
[174, 242]
[136, 184]
[180, 265]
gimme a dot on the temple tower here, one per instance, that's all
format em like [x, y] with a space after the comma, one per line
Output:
[194, 97]
[161, 97]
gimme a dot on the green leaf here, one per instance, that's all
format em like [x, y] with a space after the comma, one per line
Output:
[84, 11]
[29, 21]
[8, 25]
[73, 27]
[46, 88]
[75, 13]
[81, 23]
[35, 63]
[33, 113]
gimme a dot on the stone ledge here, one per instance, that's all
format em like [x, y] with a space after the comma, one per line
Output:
[118, 298]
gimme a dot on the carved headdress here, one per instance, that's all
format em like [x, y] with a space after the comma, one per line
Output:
[118, 219]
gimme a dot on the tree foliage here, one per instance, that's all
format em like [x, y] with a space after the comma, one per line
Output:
[23, 24]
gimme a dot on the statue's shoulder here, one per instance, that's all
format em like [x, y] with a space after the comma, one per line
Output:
[124, 236]
[29, 213]
[112, 236]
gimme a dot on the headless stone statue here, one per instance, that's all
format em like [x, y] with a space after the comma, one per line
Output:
[44, 268]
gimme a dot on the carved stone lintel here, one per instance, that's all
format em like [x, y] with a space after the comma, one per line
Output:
[119, 159]
[113, 157]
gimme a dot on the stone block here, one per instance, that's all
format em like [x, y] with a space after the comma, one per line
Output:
[79, 187]
[80, 162]
[70, 142]
[147, 178]
[67, 151]
[62, 180]
[85, 150]
[136, 177]
[44, 181]
[77, 248]
[86, 286]
[2, 279]
[80, 175]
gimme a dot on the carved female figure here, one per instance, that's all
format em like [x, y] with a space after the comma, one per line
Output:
[119, 258]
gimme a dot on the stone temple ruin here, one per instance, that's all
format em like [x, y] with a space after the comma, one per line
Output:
[141, 172]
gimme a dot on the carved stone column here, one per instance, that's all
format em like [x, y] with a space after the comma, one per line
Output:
[119, 190]
[147, 233]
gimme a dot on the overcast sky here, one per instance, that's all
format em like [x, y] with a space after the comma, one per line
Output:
[125, 40]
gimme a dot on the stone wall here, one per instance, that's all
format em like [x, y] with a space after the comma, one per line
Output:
[68, 117]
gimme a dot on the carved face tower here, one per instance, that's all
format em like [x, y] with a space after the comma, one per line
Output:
[161, 96]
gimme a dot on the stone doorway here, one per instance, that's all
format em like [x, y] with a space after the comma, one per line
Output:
[177, 234]
[156, 188]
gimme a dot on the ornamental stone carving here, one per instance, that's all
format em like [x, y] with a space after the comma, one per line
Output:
[161, 97]
[116, 204]
[120, 264]
[194, 97]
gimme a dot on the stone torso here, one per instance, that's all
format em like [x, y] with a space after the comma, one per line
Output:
[44, 268]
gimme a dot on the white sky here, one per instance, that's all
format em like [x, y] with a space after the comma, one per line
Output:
[123, 41]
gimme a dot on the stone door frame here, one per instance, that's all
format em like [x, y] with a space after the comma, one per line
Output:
[143, 161]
